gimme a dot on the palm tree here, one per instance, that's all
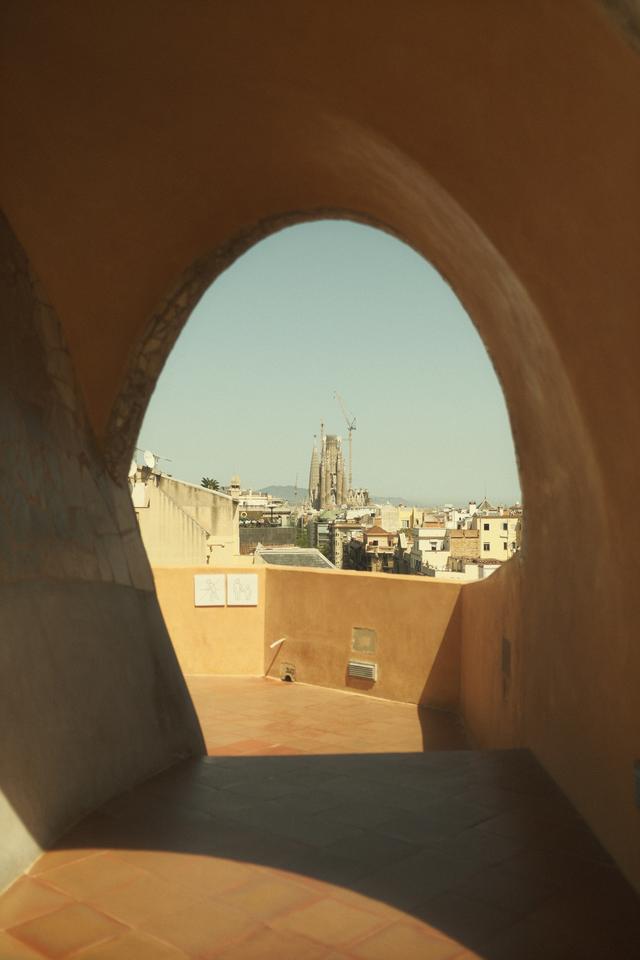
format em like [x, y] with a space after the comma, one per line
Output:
[209, 483]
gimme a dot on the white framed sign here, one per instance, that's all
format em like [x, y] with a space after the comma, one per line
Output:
[209, 589]
[242, 589]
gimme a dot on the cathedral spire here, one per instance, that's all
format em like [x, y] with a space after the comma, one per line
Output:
[314, 474]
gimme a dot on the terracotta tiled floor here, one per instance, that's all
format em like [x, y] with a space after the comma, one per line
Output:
[253, 716]
[320, 829]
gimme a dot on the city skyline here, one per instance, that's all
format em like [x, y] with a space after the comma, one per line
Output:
[325, 307]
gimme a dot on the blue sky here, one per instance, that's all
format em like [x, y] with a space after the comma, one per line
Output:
[331, 306]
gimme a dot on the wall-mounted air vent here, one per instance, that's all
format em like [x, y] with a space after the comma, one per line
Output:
[366, 671]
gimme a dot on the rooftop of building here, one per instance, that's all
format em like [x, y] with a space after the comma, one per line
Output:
[169, 479]
[499, 515]
[294, 557]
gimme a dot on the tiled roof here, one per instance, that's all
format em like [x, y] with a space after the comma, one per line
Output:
[296, 557]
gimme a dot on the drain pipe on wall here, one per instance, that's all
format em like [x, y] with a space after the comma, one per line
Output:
[275, 646]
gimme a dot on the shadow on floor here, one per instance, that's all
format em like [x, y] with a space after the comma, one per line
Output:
[481, 847]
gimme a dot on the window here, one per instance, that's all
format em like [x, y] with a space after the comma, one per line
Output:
[504, 545]
[486, 547]
[505, 526]
[485, 526]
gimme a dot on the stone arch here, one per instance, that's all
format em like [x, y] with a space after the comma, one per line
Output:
[527, 361]
[495, 139]
[557, 458]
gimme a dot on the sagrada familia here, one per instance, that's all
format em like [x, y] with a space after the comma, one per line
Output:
[328, 485]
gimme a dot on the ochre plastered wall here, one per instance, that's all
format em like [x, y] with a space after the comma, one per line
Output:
[211, 640]
[491, 699]
[145, 145]
[416, 625]
[91, 696]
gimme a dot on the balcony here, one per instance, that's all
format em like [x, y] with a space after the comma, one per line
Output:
[102, 210]
[332, 817]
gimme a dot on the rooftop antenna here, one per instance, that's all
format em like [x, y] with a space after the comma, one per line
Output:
[152, 459]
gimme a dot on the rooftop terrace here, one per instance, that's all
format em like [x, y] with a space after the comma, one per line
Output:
[124, 202]
[318, 827]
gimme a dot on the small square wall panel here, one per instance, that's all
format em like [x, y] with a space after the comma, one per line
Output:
[364, 640]
[209, 589]
[242, 589]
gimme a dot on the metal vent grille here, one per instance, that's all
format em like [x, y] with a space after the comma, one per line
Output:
[366, 671]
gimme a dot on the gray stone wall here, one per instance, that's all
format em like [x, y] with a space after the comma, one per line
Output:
[91, 696]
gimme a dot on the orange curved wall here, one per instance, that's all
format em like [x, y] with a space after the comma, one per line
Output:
[91, 695]
[499, 139]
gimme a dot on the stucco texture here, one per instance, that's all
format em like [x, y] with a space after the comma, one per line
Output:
[147, 145]
[214, 641]
[84, 658]
[416, 626]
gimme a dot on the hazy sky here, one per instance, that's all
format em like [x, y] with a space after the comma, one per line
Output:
[333, 306]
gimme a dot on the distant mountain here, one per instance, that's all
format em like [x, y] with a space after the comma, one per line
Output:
[395, 501]
[288, 492]
[285, 492]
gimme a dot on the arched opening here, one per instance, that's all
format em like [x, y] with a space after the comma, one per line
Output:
[326, 299]
[162, 149]
[491, 702]
[309, 309]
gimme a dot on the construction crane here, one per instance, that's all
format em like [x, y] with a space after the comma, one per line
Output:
[351, 426]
